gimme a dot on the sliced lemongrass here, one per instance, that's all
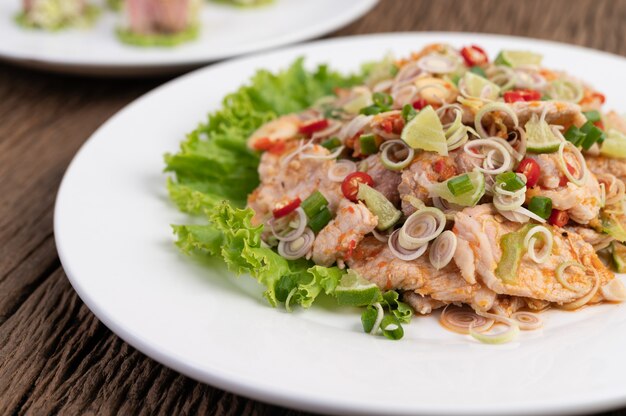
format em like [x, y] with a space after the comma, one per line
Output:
[298, 226]
[302, 146]
[404, 95]
[298, 248]
[478, 118]
[334, 155]
[529, 214]
[385, 158]
[437, 64]
[586, 298]
[459, 320]
[382, 237]
[505, 200]
[423, 226]
[531, 240]
[400, 252]
[288, 300]
[527, 321]
[498, 338]
[442, 250]
[579, 158]
[614, 291]
[341, 169]
[356, 125]
[503, 76]
[489, 158]
[560, 274]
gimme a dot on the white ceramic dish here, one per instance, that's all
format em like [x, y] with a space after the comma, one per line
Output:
[112, 231]
[226, 32]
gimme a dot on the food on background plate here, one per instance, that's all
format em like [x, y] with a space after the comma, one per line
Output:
[56, 14]
[160, 22]
[491, 190]
[245, 3]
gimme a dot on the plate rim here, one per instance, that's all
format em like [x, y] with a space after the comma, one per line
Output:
[601, 402]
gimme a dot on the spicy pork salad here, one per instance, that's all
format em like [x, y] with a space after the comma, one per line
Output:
[491, 189]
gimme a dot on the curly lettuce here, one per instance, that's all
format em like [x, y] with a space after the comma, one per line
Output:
[214, 171]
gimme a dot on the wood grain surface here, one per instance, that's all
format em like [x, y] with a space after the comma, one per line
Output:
[55, 356]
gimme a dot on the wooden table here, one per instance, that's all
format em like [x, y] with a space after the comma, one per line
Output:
[55, 356]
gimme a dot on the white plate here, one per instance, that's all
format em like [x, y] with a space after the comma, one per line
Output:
[112, 232]
[226, 32]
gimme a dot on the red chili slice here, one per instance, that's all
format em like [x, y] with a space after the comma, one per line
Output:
[287, 209]
[310, 127]
[564, 180]
[558, 218]
[521, 95]
[419, 103]
[350, 185]
[474, 55]
[531, 170]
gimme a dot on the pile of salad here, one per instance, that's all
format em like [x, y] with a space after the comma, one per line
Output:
[146, 22]
[491, 189]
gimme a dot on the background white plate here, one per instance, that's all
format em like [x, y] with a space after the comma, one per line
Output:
[112, 231]
[226, 32]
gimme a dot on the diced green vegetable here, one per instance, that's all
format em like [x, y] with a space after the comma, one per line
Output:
[512, 245]
[368, 144]
[592, 135]
[380, 206]
[314, 204]
[510, 181]
[320, 220]
[460, 185]
[541, 206]
[368, 318]
[371, 110]
[391, 328]
[382, 100]
[593, 115]
[331, 143]
[574, 135]
[408, 113]
[468, 199]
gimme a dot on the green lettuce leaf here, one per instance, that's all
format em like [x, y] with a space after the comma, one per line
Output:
[214, 163]
[214, 171]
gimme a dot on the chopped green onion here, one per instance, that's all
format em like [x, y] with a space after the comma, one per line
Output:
[314, 204]
[368, 318]
[593, 115]
[371, 110]
[510, 181]
[574, 135]
[382, 100]
[391, 328]
[368, 144]
[332, 143]
[545, 97]
[320, 220]
[541, 206]
[460, 185]
[592, 135]
[408, 112]
[478, 71]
